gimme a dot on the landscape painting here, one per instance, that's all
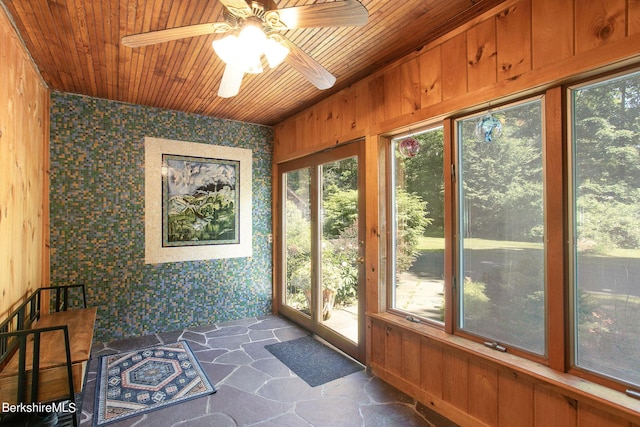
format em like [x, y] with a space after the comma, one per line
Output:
[200, 201]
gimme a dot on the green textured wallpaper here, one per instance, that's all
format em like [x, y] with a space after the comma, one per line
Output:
[97, 219]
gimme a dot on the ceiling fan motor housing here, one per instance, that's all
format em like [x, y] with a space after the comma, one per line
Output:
[257, 8]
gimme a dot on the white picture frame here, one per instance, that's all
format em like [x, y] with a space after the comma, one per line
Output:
[159, 172]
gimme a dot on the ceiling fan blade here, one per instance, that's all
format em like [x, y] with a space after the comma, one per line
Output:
[161, 36]
[308, 67]
[347, 13]
[239, 8]
[231, 81]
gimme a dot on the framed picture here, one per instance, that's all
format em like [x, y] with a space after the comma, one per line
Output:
[197, 201]
[200, 201]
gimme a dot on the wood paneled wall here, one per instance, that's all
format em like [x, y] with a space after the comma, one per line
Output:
[24, 156]
[466, 383]
[519, 48]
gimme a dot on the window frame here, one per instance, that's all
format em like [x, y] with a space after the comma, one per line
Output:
[456, 225]
[390, 186]
[570, 348]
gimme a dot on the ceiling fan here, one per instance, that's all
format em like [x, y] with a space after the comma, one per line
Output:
[253, 30]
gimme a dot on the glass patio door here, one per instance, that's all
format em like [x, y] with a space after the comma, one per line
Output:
[322, 248]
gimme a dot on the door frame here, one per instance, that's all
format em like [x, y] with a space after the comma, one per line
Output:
[313, 324]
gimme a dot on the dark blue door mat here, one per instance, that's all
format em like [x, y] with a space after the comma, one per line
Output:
[313, 361]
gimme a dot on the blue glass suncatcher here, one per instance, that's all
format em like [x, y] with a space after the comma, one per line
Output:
[489, 128]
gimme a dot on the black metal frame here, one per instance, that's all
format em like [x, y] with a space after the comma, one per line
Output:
[14, 333]
[63, 304]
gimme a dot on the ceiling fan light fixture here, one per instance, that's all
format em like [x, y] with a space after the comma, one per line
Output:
[252, 34]
[252, 40]
[252, 65]
[275, 52]
[232, 51]
[245, 50]
[227, 48]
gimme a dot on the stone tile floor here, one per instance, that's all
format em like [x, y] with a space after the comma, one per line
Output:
[256, 389]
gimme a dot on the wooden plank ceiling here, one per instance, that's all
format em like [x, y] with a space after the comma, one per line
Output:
[76, 46]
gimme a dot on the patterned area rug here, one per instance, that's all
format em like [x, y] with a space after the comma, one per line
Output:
[144, 380]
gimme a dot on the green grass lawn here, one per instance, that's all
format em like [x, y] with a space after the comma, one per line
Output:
[437, 243]
[430, 244]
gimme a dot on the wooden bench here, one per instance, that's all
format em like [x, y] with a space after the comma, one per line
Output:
[44, 356]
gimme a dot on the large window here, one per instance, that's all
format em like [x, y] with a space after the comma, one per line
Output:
[500, 250]
[605, 136]
[539, 251]
[418, 225]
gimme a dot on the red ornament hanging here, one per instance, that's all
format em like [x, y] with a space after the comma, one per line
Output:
[409, 147]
